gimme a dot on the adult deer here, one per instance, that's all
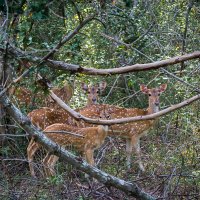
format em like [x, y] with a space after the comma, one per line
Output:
[93, 138]
[131, 131]
[43, 117]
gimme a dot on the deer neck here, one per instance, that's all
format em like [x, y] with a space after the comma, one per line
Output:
[103, 129]
[89, 103]
[152, 108]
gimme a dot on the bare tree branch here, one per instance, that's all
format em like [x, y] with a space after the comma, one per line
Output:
[129, 188]
[162, 69]
[60, 65]
[78, 116]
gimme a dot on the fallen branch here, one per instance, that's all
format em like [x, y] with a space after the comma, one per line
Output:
[130, 188]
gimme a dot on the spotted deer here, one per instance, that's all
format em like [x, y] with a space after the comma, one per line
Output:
[132, 131]
[21, 95]
[24, 96]
[44, 117]
[93, 138]
[65, 93]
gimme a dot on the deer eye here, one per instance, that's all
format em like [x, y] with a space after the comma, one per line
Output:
[149, 94]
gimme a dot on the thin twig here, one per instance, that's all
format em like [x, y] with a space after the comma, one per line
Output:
[180, 80]
[13, 135]
[65, 132]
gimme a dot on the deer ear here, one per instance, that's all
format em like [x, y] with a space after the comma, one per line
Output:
[162, 88]
[84, 87]
[144, 89]
[102, 86]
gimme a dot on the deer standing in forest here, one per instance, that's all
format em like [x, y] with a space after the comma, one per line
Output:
[44, 117]
[132, 131]
[93, 138]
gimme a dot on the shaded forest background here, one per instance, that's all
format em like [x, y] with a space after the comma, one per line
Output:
[119, 33]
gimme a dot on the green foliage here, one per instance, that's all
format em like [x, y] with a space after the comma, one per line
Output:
[123, 33]
[55, 180]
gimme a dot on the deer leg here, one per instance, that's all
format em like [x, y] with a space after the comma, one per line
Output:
[49, 162]
[31, 142]
[31, 149]
[129, 148]
[89, 156]
[136, 145]
[45, 164]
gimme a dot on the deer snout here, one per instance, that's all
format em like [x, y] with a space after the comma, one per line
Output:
[94, 100]
[157, 103]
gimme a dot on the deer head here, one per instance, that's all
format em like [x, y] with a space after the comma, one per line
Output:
[65, 93]
[154, 94]
[93, 91]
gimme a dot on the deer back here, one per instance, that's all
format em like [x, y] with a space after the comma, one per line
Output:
[44, 117]
[65, 93]
[25, 96]
[22, 95]
[117, 113]
[66, 140]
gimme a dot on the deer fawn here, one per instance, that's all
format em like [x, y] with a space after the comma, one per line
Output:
[65, 93]
[25, 96]
[132, 131]
[22, 95]
[93, 138]
[44, 117]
